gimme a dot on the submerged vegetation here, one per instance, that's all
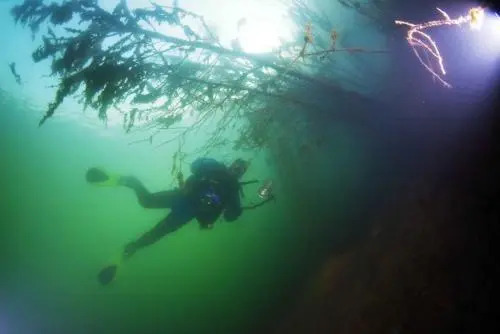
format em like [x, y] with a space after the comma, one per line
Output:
[157, 64]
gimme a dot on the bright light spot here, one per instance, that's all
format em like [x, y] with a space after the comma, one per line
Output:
[422, 43]
[476, 18]
[490, 35]
[259, 37]
[258, 26]
[264, 28]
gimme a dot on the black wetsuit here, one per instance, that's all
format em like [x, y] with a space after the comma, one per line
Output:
[210, 191]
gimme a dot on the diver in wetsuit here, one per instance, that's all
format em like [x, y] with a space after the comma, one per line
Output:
[212, 189]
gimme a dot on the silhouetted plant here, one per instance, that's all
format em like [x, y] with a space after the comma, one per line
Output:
[131, 60]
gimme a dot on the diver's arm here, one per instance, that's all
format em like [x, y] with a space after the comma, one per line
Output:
[233, 207]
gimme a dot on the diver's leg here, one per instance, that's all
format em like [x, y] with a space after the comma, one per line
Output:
[159, 200]
[168, 225]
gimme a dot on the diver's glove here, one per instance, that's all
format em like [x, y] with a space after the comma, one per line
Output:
[129, 181]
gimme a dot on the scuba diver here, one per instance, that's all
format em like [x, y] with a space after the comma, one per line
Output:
[212, 189]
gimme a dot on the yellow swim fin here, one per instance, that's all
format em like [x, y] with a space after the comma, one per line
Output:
[99, 177]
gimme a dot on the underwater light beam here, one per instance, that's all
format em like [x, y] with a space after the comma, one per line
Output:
[416, 37]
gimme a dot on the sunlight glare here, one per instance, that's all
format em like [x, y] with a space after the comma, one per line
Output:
[259, 26]
[265, 28]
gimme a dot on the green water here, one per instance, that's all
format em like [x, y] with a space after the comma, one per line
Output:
[58, 231]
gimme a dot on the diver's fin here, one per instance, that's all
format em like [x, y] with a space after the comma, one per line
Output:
[107, 274]
[99, 177]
